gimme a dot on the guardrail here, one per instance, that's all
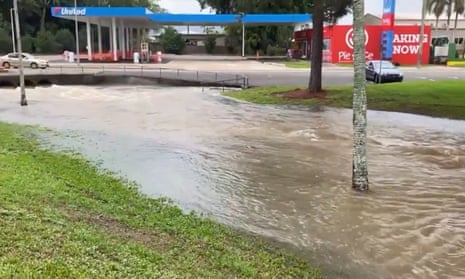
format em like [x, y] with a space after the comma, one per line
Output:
[222, 79]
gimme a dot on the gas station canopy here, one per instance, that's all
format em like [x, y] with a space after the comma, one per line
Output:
[144, 18]
[124, 24]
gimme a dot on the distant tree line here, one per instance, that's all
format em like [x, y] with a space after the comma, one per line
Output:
[269, 40]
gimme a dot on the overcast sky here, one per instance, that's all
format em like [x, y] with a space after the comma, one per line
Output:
[371, 6]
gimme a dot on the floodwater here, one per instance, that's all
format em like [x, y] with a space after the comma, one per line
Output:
[280, 172]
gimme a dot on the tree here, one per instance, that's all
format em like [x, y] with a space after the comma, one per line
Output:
[65, 38]
[28, 43]
[459, 9]
[439, 7]
[359, 163]
[315, 81]
[322, 11]
[210, 44]
[46, 42]
[44, 5]
[5, 41]
[171, 41]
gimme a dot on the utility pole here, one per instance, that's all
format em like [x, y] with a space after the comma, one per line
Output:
[243, 34]
[422, 34]
[13, 37]
[76, 31]
[20, 55]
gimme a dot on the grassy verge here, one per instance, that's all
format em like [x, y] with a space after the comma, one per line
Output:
[438, 98]
[297, 64]
[348, 65]
[62, 218]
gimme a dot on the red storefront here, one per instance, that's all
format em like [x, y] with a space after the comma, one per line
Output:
[338, 43]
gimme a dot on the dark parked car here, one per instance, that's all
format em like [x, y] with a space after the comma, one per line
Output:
[380, 71]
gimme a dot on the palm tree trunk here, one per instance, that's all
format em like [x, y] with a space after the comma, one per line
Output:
[359, 165]
[42, 19]
[456, 20]
[314, 84]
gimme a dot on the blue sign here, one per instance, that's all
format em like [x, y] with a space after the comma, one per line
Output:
[387, 38]
[389, 6]
[68, 11]
[100, 11]
[165, 18]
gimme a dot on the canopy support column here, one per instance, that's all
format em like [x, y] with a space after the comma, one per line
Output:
[89, 41]
[115, 43]
[99, 38]
[243, 40]
[122, 43]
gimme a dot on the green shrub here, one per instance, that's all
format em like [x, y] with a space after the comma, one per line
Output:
[5, 41]
[254, 43]
[275, 51]
[46, 43]
[27, 43]
[210, 44]
[172, 42]
[65, 39]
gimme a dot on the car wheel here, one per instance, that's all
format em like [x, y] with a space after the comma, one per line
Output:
[34, 65]
[6, 65]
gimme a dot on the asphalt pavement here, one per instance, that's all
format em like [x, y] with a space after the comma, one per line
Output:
[345, 75]
[258, 73]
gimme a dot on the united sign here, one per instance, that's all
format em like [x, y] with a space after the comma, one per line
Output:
[67, 11]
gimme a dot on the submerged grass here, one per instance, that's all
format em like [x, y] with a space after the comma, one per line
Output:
[60, 217]
[433, 98]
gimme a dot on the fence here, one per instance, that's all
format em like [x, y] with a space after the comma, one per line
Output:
[222, 79]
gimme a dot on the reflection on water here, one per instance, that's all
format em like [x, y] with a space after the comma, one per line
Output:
[280, 172]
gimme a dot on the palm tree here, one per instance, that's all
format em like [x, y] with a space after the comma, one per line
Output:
[359, 163]
[459, 9]
[436, 7]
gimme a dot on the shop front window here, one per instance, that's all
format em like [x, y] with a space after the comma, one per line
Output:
[326, 44]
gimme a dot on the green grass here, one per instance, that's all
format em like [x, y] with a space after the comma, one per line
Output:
[297, 64]
[348, 65]
[434, 98]
[60, 217]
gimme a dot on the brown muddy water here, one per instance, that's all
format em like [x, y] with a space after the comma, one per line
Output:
[280, 172]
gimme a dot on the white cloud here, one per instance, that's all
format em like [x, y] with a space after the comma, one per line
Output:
[182, 6]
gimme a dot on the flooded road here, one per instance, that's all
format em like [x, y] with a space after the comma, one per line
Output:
[280, 172]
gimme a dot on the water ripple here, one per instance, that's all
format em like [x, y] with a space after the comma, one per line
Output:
[281, 172]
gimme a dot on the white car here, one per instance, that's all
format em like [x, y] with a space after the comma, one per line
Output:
[12, 60]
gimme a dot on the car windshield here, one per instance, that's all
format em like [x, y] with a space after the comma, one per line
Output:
[384, 65]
